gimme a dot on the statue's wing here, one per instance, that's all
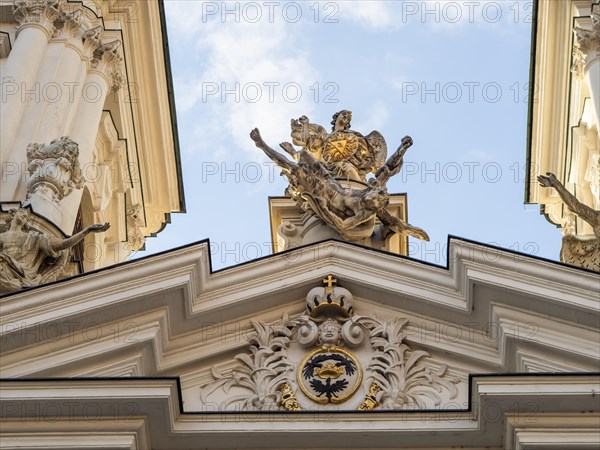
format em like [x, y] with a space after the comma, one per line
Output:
[395, 224]
[378, 148]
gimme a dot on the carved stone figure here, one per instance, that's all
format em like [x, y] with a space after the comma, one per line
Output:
[53, 169]
[345, 152]
[579, 252]
[313, 177]
[135, 220]
[269, 376]
[29, 257]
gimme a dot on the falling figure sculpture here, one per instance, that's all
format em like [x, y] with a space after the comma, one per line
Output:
[343, 153]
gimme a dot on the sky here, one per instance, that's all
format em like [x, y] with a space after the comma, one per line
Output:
[453, 75]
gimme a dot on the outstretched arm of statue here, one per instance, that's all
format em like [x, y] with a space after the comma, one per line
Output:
[588, 214]
[396, 225]
[394, 163]
[76, 238]
[275, 156]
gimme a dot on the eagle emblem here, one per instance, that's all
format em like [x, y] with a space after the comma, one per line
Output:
[329, 375]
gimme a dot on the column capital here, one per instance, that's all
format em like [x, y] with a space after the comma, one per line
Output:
[586, 47]
[68, 24]
[38, 13]
[106, 59]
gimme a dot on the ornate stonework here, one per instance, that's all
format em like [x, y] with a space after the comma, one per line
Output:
[68, 24]
[586, 45]
[317, 173]
[53, 169]
[135, 220]
[29, 257]
[41, 12]
[314, 359]
[576, 251]
[106, 58]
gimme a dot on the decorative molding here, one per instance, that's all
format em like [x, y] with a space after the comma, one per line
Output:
[500, 408]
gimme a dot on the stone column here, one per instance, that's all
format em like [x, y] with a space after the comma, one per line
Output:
[103, 77]
[586, 60]
[36, 26]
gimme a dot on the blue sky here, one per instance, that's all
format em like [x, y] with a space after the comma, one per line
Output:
[453, 75]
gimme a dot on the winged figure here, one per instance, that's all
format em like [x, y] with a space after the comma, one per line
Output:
[347, 154]
[314, 187]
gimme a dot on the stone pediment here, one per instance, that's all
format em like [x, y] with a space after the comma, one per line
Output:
[490, 311]
[416, 332]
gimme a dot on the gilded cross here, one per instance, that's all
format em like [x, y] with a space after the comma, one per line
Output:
[329, 281]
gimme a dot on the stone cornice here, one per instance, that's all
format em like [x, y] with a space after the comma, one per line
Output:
[501, 411]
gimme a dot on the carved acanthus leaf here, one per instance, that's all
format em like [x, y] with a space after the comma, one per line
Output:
[262, 372]
[106, 57]
[586, 45]
[91, 38]
[403, 379]
[68, 23]
[41, 12]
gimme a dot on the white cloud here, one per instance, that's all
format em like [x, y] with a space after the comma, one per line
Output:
[373, 118]
[372, 14]
[440, 15]
[247, 75]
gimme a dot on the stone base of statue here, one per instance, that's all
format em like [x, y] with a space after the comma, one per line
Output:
[581, 252]
[291, 227]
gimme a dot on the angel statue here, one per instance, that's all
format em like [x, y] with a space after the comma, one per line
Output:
[29, 257]
[314, 171]
[346, 153]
